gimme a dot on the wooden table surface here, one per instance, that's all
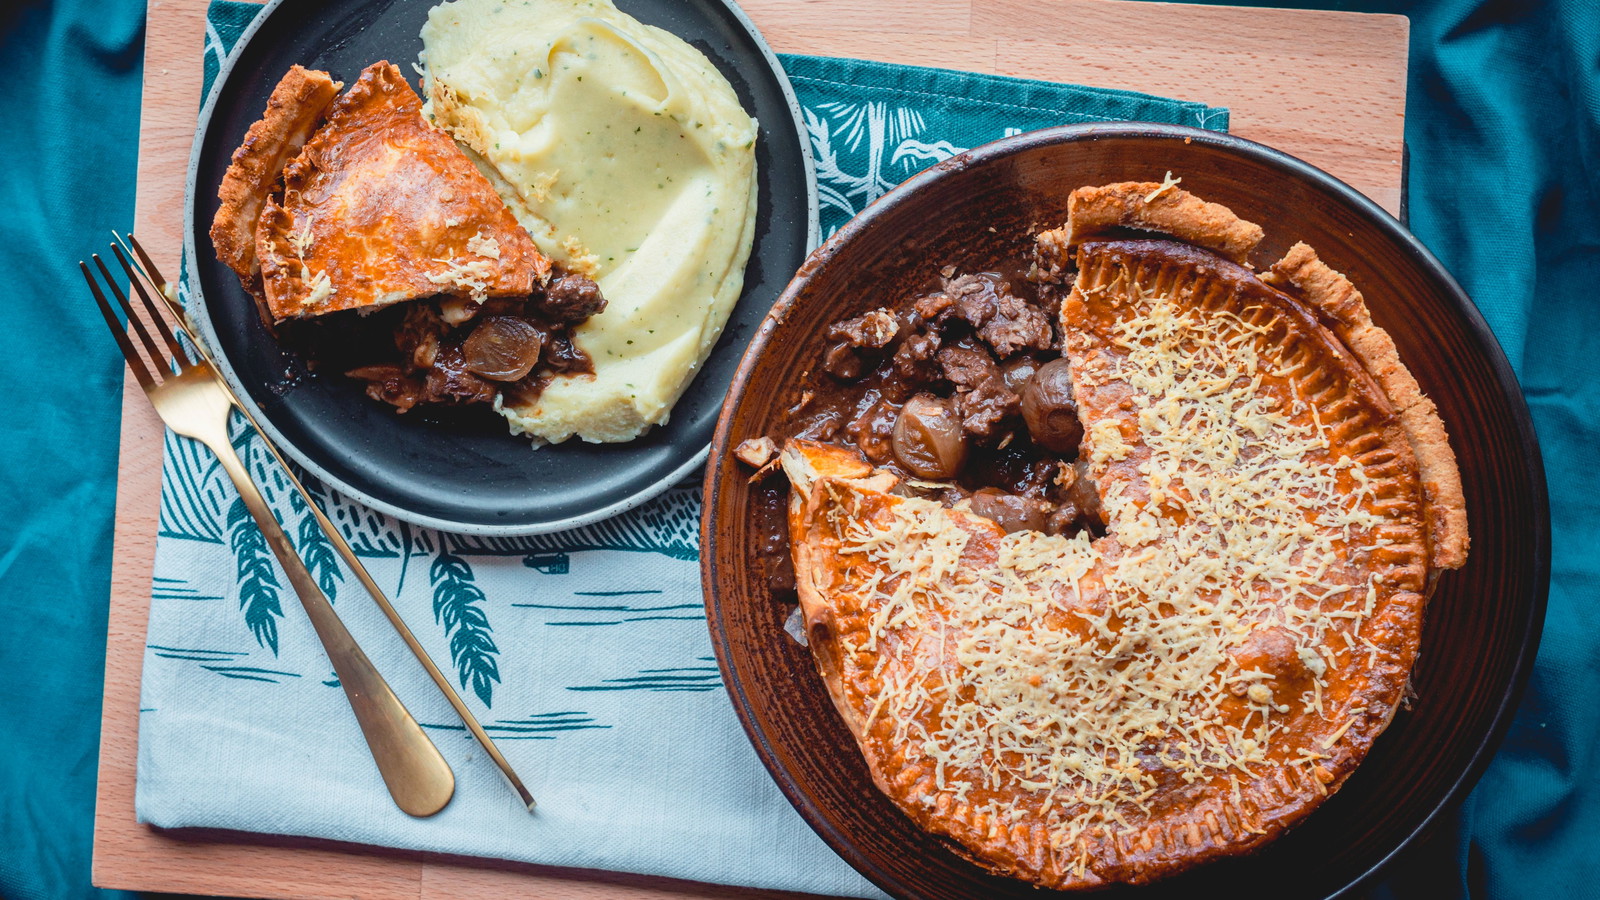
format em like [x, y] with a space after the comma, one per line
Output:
[1328, 87]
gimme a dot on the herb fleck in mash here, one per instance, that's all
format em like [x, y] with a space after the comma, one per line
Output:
[628, 157]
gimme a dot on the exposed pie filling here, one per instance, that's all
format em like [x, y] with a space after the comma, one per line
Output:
[1121, 569]
[425, 353]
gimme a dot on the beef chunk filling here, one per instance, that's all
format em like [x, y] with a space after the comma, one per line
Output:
[973, 299]
[450, 353]
[1016, 326]
[562, 356]
[872, 430]
[914, 358]
[966, 363]
[419, 335]
[986, 407]
[390, 384]
[961, 391]
[1007, 323]
[571, 298]
[856, 342]
[448, 380]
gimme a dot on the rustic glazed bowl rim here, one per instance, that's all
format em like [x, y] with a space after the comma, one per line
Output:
[1291, 168]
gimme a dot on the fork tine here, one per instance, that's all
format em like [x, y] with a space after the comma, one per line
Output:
[162, 287]
[137, 284]
[156, 357]
[141, 264]
[145, 264]
[117, 331]
[138, 265]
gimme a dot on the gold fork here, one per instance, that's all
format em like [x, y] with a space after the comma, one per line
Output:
[146, 269]
[194, 403]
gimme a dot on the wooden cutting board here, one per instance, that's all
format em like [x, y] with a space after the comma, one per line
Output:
[1328, 87]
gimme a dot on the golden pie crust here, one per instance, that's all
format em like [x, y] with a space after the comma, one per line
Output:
[359, 202]
[1080, 712]
[1343, 308]
[1116, 209]
[1149, 206]
[293, 113]
[381, 207]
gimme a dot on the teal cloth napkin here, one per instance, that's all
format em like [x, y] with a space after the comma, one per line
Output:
[585, 654]
[875, 124]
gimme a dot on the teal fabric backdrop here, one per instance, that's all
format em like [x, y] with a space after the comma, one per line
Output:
[73, 100]
[1502, 122]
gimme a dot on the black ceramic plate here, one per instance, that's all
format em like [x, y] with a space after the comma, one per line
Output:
[467, 473]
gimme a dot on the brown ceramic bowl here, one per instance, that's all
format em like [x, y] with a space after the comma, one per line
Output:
[981, 207]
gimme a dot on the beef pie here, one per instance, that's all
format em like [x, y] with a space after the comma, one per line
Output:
[1210, 609]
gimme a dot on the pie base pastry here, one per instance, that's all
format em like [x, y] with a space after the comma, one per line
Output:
[1159, 208]
[1078, 712]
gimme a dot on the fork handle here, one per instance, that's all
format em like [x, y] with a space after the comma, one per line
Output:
[416, 774]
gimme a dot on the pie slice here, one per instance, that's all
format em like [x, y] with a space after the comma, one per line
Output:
[380, 207]
[1079, 712]
[293, 112]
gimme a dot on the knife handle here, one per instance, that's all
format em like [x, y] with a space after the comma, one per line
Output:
[418, 778]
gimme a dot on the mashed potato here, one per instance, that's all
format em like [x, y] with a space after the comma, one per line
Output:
[627, 156]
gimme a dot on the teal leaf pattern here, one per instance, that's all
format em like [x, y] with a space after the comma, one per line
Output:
[458, 606]
[703, 676]
[176, 589]
[849, 142]
[317, 551]
[618, 608]
[315, 547]
[251, 673]
[258, 583]
[192, 493]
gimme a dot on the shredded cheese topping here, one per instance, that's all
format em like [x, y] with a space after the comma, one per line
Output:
[302, 239]
[1092, 676]
[579, 258]
[1167, 184]
[472, 275]
[318, 288]
[484, 245]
